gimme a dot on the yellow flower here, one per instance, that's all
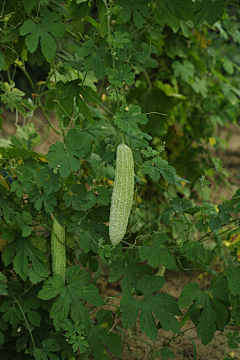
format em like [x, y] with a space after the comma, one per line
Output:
[110, 182]
[216, 207]
[104, 97]
[183, 183]
[226, 243]
[18, 62]
[212, 141]
[41, 82]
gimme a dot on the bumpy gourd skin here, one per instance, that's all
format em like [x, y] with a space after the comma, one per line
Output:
[122, 196]
[58, 249]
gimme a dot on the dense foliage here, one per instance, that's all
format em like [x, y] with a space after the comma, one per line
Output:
[159, 76]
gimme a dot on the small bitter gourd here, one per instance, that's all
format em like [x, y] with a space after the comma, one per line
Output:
[58, 249]
[122, 196]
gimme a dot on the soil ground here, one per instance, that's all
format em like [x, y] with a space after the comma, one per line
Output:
[175, 282]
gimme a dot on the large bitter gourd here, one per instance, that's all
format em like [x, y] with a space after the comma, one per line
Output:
[58, 249]
[122, 196]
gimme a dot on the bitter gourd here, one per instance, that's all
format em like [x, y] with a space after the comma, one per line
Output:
[58, 249]
[122, 196]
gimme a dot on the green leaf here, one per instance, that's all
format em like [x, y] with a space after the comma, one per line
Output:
[136, 8]
[49, 346]
[89, 231]
[101, 129]
[13, 98]
[87, 48]
[2, 61]
[166, 216]
[23, 252]
[127, 119]
[57, 7]
[219, 288]
[28, 305]
[215, 223]
[170, 11]
[200, 86]
[233, 340]
[189, 294]
[94, 57]
[158, 167]
[68, 302]
[67, 157]
[121, 75]
[209, 10]
[221, 314]
[72, 93]
[72, 61]
[158, 253]
[49, 27]
[77, 197]
[207, 321]
[180, 205]
[166, 354]
[50, 181]
[79, 11]
[194, 250]
[185, 70]
[75, 335]
[214, 312]
[41, 199]
[23, 221]
[222, 217]
[8, 208]
[101, 9]
[18, 188]
[234, 281]
[28, 5]
[119, 39]
[162, 305]
[131, 271]
[145, 59]
[104, 195]
[228, 66]
[150, 169]
[10, 33]
[101, 337]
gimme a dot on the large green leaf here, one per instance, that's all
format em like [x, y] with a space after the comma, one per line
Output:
[158, 253]
[162, 305]
[21, 251]
[67, 157]
[209, 10]
[214, 312]
[138, 9]
[130, 269]
[171, 11]
[101, 338]
[45, 31]
[68, 303]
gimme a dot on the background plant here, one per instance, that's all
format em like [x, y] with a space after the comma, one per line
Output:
[160, 76]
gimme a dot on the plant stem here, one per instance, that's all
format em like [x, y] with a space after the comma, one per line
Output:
[40, 103]
[28, 327]
[147, 78]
